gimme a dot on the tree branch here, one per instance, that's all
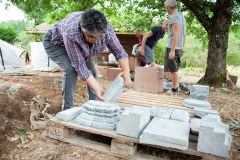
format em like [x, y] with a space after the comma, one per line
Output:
[198, 11]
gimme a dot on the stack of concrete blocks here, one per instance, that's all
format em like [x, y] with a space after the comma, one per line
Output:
[99, 114]
[132, 121]
[214, 137]
[69, 114]
[115, 90]
[168, 128]
[200, 92]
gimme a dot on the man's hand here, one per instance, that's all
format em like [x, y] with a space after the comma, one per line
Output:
[171, 54]
[100, 92]
[126, 77]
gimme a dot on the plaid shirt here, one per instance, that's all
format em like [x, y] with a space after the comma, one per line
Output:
[68, 33]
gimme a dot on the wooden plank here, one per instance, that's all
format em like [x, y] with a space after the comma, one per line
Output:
[161, 101]
[143, 103]
[168, 99]
[105, 133]
[144, 94]
[123, 148]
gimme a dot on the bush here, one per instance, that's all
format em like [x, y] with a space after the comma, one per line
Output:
[7, 33]
[233, 55]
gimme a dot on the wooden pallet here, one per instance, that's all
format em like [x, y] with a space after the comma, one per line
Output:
[133, 98]
[118, 145]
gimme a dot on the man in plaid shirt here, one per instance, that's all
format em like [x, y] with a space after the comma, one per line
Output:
[72, 41]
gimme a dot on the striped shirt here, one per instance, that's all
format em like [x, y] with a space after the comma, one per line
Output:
[68, 33]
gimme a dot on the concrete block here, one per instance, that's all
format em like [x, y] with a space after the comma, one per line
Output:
[214, 138]
[104, 125]
[133, 121]
[112, 73]
[149, 79]
[114, 90]
[180, 115]
[199, 96]
[201, 112]
[101, 107]
[69, 114]
[195, 103]
[166, 133]
[199, 88]
[161, 112]
[167, 85]
[195, 124]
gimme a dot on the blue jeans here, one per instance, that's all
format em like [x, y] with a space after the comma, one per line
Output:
[58, 54]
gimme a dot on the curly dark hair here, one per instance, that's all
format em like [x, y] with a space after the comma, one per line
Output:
[93, 21]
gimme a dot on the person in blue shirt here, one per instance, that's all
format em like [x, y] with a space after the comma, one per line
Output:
[150, 41]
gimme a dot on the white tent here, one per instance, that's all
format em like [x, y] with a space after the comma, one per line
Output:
[40, 59]
[10, 58]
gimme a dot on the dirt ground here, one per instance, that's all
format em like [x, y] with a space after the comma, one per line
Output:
[14, 112]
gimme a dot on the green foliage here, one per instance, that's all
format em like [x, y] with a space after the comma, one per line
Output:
[193, 70]
[7, 33]
[19, 131]
[159, 51]
[233, 56]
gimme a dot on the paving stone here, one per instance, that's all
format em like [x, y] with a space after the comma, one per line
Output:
[180, 115]
[200, 96]
[69, 114]
[167, 85]
[195, 124]
[101, 107]
[212, 118]
[195, 103]
[161, 112]
[166, 133]
[100, 115]
[214, 137]
[199, 88]
[115, 90]
[133, 121]
[200, 112]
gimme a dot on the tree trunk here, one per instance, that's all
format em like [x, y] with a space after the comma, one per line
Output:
[216, 72]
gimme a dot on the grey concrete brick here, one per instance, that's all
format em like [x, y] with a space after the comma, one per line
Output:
[101, 107]
[200, 112]
[214, 138]
[115, 90]
[195, 124]
[166, 133]
[180, 115]
[133, 121]
[199, 88]
[200, 96]
[69, 114]
[161, 112]
[195, 103]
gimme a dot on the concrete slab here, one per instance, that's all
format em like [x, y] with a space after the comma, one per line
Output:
[201, 112]
[69, 114]
[180, 115]
[195, 103]
[114, 90]
[133, 121]
[161, 112]
[167, 133]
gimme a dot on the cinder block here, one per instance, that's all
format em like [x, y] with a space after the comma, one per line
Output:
[149, 79]
[166, 133]
[102, 71]
[214, 138]
[112, 73]
[133, 121]
[69, 114]
[195, 103]
[180, 115]
[161, 112]
[115, 90]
